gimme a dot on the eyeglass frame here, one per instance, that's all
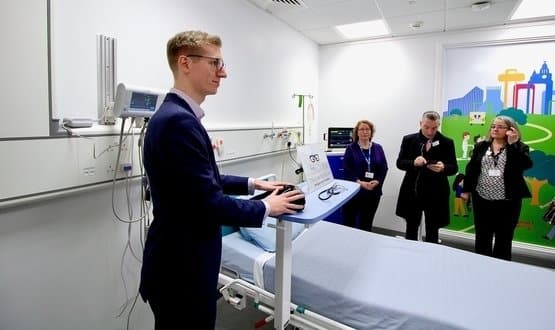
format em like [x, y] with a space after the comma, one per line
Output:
[498, 127]
[217, 62]
[326, 194]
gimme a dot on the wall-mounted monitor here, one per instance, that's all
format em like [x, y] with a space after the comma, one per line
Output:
[339, 137]
[134, 101]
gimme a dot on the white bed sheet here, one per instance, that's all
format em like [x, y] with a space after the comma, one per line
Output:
[370, 281]
[242, 257]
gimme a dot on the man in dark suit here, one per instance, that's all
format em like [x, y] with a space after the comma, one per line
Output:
[182, 253]
[428, 158]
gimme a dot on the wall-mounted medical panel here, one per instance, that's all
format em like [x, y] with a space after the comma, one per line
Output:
[36, 167]
[240, 143]
[39, 166]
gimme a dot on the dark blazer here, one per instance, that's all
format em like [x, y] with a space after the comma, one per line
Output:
[431, 187]
[355, 166]
[518, 160]
[182, 251]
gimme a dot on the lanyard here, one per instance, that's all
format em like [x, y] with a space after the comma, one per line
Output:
[496, 156]
[364, 155]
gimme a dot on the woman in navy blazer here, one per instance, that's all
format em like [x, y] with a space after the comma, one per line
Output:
[181, 259]
[364, 162]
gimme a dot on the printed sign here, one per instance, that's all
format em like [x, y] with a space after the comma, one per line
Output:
[315, 164]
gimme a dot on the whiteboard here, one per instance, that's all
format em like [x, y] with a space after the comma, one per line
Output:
[24, 69]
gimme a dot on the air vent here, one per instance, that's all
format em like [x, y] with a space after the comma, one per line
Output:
[292, 3]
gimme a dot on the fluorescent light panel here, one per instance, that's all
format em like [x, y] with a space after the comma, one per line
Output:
[363, 29]
[534, 8]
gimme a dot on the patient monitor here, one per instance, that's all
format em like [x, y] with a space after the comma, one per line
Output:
[135, 101]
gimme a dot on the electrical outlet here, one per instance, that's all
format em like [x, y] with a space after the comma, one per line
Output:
[98, 156]
[89, 171]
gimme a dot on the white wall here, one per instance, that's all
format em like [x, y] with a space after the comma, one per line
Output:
[264, 70]
[391, 82]
[266, 62]
[60, 261]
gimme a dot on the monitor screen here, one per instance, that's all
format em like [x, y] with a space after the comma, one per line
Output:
[339, 137]
[143, 101]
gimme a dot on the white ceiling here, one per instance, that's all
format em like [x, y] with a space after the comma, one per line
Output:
[317, 18]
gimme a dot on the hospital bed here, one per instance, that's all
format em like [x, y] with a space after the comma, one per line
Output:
[343, 278]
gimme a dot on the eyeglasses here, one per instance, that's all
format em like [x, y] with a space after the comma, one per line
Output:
[498, 127]
[363, 129]
[333, 190]
[218, 63]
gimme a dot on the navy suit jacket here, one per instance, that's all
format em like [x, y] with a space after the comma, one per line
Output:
[184, 180]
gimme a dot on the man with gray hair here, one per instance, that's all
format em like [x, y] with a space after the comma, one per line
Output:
[428, 158]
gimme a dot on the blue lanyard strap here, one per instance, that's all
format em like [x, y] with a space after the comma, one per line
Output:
[367, 158]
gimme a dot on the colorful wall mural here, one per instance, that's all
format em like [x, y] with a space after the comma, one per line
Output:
[514, 80]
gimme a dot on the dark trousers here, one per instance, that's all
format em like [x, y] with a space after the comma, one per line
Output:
[364, 207]
[182, 311]
[413, 223]
[495, 218]
[432, 218]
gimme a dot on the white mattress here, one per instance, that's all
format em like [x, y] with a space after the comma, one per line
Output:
[371, 281]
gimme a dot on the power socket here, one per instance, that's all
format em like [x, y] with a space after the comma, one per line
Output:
[126, 167]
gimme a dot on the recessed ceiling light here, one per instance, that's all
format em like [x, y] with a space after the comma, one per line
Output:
[534, 8]
[363, 29]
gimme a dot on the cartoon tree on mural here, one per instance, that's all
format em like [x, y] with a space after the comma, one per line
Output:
[540, 174]
[518, 115]
[455, 111]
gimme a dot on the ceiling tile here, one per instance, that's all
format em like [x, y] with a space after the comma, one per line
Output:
[331, 14]
[431, 22]
[318, 20]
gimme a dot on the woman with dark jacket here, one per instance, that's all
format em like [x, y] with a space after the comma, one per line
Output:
[364, 162]
[494, 176]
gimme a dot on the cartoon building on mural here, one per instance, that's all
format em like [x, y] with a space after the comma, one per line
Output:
[497, 98]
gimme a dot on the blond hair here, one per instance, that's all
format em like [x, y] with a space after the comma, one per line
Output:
[189, 42]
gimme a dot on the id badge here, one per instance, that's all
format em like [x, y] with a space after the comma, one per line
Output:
[494, 172]
[435, 143]
[369, 175]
